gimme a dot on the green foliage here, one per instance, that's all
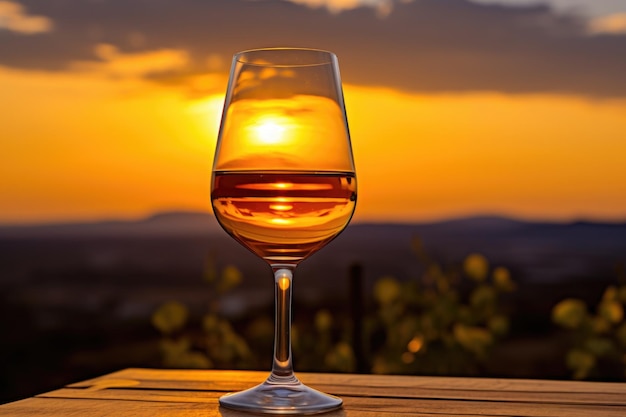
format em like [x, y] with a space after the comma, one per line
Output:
[217, 344]
[581, 362]
[170, 317]
[387, 290]
[597, 340]
[476, 267]
[445, 321]
[340, 358]
[223, 344]
[325, 346]
[570, 313]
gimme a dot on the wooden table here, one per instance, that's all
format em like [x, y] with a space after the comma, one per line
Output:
[193, 393]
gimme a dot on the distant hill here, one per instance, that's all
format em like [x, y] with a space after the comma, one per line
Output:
[161, 224]
[202, 223]
[535, 251]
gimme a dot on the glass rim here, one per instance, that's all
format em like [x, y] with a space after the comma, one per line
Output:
[331, 57]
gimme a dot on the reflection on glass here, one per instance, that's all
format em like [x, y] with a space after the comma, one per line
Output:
[284, 186]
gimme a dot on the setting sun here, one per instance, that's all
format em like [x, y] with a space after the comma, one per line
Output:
[417, 156]
[270, 130]
[122, 128]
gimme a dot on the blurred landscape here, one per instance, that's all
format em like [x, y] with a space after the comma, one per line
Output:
[111, 110]
[77, 299]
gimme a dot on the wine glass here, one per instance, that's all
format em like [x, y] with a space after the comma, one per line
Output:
[283, 186]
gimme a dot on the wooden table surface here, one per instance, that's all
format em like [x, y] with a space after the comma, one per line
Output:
[194, 393]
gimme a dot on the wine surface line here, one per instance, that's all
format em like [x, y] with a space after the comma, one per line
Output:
[283, 216]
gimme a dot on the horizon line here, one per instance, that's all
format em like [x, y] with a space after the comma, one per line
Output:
[367, 221]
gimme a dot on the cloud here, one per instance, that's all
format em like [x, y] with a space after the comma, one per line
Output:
[336, 6]
[13, 17]
[128, 65]
[612, 24]
[582, 7]
[420, 46]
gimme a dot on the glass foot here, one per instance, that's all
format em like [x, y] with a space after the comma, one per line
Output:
[283, 398]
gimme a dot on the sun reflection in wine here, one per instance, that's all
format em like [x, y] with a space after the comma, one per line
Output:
[284, 213]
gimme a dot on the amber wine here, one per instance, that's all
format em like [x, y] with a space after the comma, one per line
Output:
[283, 216]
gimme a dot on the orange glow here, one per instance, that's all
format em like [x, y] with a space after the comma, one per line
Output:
[281, 207]
[271, 130]
[430, 157]
[299, 124]
[415, 344]
[284, 283]
[280, 221]
[82, 146]
[282, 212]
[285, 186]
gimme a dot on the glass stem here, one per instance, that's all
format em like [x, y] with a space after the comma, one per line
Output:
[282, 366]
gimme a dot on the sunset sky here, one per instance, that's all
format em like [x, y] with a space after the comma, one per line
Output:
[110, 109]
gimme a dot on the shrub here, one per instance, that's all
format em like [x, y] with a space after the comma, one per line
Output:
[597, 340]
[217, 344]
[428, 325]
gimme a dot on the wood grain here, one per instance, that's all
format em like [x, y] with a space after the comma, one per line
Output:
[152, 392]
